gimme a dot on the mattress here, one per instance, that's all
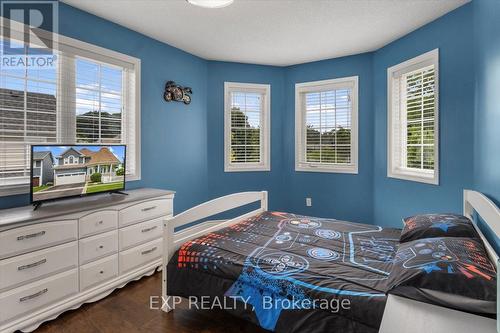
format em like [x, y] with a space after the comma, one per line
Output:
[290, 273]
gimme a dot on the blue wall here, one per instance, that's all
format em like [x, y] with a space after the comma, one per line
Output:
[342, 196]
[370, 196]
[220, 182]
[393, 198]
[487, 109]
[173, 136]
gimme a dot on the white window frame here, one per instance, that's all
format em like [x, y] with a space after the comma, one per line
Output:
[300, 145]
[98, 54]
[265, 138]
[394, 170]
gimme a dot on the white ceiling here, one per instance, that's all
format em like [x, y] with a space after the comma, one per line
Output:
[272, 32]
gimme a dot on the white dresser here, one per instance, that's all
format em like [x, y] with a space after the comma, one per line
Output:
[76, 251]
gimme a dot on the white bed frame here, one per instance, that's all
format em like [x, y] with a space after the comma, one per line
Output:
[401, 314]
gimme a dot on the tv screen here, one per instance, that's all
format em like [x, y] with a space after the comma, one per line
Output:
[61, 171]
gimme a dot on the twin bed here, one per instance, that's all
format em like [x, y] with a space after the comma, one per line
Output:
[292, 273]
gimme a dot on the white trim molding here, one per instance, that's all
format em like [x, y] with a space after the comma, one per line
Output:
[350, 83]
[265, 127]
[397, 125]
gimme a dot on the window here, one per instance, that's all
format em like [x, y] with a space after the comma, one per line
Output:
[413, 119]
[247, 117]
[326, 126]
[92, 96]
[99, 95]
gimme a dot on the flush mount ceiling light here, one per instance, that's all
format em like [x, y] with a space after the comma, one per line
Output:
[211, 3]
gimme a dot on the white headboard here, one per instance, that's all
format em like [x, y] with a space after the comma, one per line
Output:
[477, 202]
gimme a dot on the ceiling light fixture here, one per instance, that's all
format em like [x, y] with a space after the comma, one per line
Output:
[211, 3]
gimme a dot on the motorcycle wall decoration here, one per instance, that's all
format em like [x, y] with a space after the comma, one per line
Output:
[177, 93]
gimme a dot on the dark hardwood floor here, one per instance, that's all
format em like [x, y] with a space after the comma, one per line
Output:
[127, 310]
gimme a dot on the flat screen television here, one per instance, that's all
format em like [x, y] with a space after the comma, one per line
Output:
[63, 171]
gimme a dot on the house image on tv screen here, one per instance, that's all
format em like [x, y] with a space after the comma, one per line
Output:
[75, 166]
[76, 170]
[43, 172]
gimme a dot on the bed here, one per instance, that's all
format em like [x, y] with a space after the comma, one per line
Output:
[292, 273]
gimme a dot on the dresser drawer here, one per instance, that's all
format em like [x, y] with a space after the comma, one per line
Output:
[145, 211]
[20, 301]
[35, 265]
[98, 271]
[37, 236]
[140, 233]
[98, 222]
[140, 255]
[98, 246]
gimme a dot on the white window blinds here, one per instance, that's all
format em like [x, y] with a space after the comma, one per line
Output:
[418, 102]
[326, 126]
[413, 119]
[99, 102]
[246, 124]
[28, 115]
[89, 97]
[246, 127]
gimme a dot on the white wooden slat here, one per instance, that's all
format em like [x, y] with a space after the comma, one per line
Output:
[178, 239]
[216, 206]
[489, 213]
[409, 316]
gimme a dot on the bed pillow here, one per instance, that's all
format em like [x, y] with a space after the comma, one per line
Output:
[449, 271]
[437, 225]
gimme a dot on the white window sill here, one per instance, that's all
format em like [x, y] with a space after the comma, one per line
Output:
[415, 176]
[131, 178]
[348, 169]
[247, 168]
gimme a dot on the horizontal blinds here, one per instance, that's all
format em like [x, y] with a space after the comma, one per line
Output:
[328, 126]
[99, 102]
[419, 113]
[130, 121]
[28, 115]
[81, 100]
[246, 127]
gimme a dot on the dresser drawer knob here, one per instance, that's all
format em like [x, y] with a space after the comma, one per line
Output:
[38, 263]
[101, 272]
[100, 222]
[40, 293]
[148, 208]
[36, 234]
[149, 229]
[149, 251]
[101, 246]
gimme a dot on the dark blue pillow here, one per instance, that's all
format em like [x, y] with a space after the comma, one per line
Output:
[437, 225]
[449, 271]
